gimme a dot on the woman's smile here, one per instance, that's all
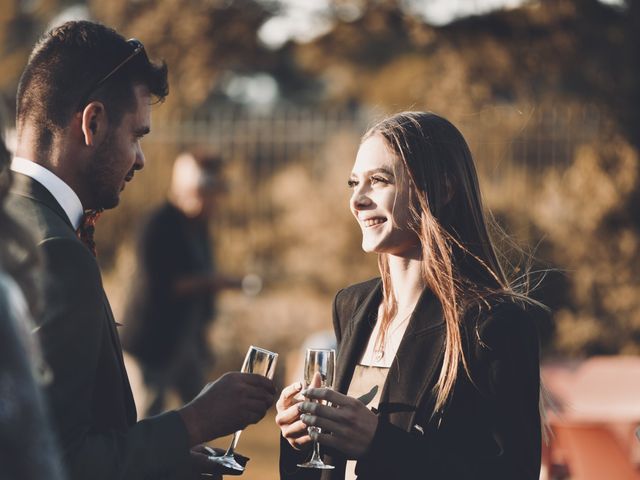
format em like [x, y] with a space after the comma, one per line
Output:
[373, 221]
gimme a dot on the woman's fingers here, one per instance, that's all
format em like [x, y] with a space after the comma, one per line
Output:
[326, 394]
[295, 430]
[299, 435]
[302, 442]
[328, 440]
[296, 434]
[347, 425]
[287, 396]
[288, 416]
[327, 425]
[322, 410]
[316, 381]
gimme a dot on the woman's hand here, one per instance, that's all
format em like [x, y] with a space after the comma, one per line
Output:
[288, 417]
[348, 425]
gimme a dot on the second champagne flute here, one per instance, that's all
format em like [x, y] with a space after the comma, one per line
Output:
[319, 368]
[262, 362]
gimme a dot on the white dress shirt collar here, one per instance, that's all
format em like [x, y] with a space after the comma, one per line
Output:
[62, 192]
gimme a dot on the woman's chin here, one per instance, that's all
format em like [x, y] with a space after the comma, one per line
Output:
[369, 248]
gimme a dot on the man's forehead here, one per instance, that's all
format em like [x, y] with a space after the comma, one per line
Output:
[142, 111]
[141, 90]
[142, 97]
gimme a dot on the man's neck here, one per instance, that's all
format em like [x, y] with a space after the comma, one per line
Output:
[29, 145]
[49, 153]
[52, 157]
[61, 191]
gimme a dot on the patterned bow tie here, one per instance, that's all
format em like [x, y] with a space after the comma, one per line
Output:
[87, 229]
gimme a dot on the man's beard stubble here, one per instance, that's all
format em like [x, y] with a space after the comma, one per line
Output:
[101, 178]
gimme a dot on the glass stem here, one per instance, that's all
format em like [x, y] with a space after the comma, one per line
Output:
[315, 456]
[234, 442]
[316, 451]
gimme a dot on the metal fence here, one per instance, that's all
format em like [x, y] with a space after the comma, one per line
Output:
[504, 140]
[536, 136]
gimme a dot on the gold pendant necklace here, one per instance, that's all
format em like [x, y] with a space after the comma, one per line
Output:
[378, 350]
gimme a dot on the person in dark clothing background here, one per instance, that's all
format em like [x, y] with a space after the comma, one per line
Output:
[172, 299]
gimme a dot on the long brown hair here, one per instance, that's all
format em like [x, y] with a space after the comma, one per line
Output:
[460, 264]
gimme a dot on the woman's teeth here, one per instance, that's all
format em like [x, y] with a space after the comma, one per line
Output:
[370, 222]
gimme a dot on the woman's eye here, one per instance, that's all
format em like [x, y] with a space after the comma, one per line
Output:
[376, 179]
[352, 183]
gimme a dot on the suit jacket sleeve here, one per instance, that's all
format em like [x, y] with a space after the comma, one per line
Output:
[505, 367]
[72, 331]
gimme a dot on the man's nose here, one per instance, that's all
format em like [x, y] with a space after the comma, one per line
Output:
[139, 163]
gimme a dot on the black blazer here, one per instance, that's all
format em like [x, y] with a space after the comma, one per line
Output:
[90, 399]
[490, 428]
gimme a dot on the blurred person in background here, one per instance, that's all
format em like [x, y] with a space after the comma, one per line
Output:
[438, 360]
[83, 105]
[171, 302]
[27, 445]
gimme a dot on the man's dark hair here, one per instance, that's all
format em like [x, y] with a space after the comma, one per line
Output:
[64, 68]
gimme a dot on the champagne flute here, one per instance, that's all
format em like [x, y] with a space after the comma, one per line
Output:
[319, 369]
[260, 361]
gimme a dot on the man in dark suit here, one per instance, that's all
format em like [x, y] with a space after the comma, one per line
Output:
[83, 105]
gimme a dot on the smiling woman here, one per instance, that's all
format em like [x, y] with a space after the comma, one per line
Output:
[443, 339]
[379, 186]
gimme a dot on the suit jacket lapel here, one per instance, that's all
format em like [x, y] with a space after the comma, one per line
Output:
[26, 186]
[356, 334]
[415, 368]
[130, 405]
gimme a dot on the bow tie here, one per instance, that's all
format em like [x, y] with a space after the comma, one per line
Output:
[87, 229]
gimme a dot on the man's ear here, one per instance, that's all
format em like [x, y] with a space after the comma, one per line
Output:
[94, 124]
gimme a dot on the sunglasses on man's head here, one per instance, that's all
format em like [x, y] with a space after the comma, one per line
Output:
[138, 48]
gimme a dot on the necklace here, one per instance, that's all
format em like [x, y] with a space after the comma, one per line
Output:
[379, 347]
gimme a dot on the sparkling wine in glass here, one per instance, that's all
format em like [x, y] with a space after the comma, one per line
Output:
[260, 361]
[319, 369]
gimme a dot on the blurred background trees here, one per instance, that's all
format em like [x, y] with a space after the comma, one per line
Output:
[546, 92]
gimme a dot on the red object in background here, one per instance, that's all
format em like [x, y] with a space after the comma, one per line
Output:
[596, 409]
[593, 452]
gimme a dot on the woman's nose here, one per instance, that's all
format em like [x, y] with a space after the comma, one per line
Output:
[359, 200]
